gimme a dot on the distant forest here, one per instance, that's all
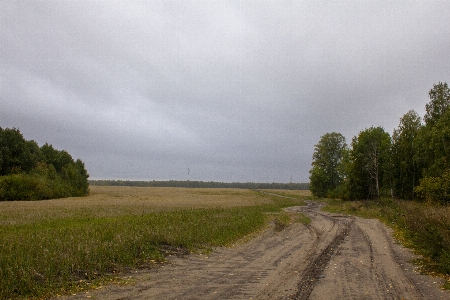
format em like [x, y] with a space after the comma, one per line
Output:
[202, 184]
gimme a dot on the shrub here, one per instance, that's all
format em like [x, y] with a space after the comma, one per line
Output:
[429, 229]
[435, 189]
[340, 192]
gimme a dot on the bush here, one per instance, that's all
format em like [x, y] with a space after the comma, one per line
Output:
[27, 187]
[435, 189]
[44, 183]
[340, 192]
[429, 229]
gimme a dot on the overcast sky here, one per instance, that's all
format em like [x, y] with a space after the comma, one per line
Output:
[231, 90]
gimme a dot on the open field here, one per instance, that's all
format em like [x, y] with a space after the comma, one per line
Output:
[110, 201]
[56, 246]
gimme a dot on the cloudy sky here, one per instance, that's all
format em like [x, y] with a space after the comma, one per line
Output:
[231, 90]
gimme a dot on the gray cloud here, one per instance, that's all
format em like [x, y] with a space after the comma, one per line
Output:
[232, 90]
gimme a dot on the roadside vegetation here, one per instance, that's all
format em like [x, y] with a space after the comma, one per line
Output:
[30, 172]
[378, 169]
[69, 245]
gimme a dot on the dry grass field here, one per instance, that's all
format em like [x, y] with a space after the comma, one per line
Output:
[109, 201]
[55, 246]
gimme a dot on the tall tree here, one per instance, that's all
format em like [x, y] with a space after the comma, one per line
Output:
[431, 140]
[369, 164]
[439, 103]
[16, 153]
[405, 171]
[439, 146]
[327, 171]
[434, 149]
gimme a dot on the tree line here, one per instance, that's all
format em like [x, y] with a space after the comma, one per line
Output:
[412, 163]
[202, 184]
[30, 172]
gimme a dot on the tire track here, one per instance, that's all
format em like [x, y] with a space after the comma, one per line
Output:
[315, 268]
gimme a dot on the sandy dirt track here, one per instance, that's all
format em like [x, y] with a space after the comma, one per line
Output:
[335, 257]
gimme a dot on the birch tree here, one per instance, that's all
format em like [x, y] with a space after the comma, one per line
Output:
[369, 166]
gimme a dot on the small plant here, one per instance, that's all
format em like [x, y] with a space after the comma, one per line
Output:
[281, 222]
[302, 218]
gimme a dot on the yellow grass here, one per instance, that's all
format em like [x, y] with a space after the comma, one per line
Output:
[105, 201]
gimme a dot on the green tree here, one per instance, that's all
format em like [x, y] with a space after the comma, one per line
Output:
[433, 145]
[405, 171]
[75, 176]
[12, 144]
[369, 164]
[16, 153]
[28, 172]
[439, 104]
[438, 146]
[435, 188]
[327, 172]
[432, 142]
[55, 157]
[31, 155]
[435, 154]
[82, 179]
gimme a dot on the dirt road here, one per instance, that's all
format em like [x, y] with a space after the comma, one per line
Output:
[335, 257]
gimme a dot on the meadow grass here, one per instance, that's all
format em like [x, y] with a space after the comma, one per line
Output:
[59, 246]
[423, 227]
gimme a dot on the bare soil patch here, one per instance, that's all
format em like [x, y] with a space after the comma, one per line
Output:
[334, 257]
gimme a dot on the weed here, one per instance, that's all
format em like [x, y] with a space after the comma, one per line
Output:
[302, 218]
[282, 221]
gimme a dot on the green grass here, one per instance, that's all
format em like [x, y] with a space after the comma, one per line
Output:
[302, 218]
[45, 256]
[283, 219]
[422, 227]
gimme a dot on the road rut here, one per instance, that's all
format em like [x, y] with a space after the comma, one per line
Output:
[334, 257]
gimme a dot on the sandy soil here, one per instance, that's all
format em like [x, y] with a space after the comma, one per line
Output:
[335, 257]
